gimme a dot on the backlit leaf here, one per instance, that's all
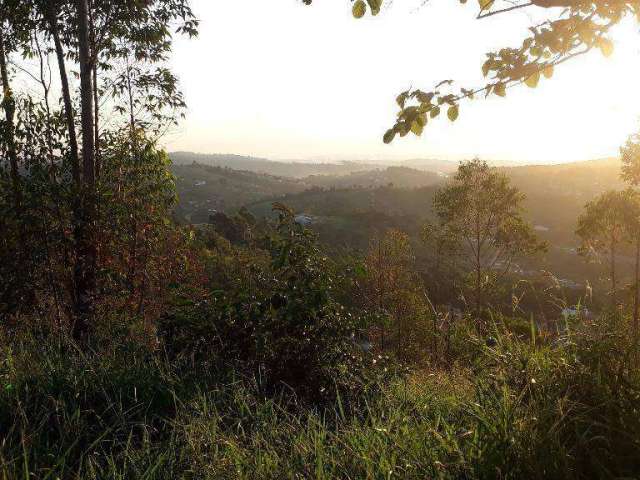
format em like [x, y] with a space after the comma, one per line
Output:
[548, 71]
[485, 68]
[375, 6]
[389, 136]
[606, 46]
[500, 89]
[359, 9]
[453, 112]
[532, 80]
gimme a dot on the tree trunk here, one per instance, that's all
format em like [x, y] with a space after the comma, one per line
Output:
[614, 289]
[66, 98]
[85, 271]
[8, 103]
[96, 107]
[636, 295]
[478, 277]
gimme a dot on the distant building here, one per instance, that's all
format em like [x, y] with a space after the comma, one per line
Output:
[303, 219]
[541, 228]
[200, 183]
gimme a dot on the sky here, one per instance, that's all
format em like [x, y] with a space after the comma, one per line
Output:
[282, 80]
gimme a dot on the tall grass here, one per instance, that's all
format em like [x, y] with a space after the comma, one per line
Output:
[516, 409]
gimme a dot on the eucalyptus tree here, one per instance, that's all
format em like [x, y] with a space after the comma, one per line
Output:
[13, 39]
[95, 38]
[480, 215]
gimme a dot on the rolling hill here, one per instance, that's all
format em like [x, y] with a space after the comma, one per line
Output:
[269, 167]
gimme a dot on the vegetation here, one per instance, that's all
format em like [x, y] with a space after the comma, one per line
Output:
[133, 345]
[480, 222]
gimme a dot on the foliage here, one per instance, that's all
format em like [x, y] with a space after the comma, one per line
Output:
[630, 156]
[392, 293]
[481, 224]
[133, 348]
[608, 221]
[573, 28]
[280, 324]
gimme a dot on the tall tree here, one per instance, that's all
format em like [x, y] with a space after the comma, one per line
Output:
[85, 269]
[481, 214]
[12, 33]
[94, 38]
[605, 224]
[392, 291]
[630, 155]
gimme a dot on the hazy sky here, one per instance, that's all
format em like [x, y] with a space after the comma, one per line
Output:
[278, 79]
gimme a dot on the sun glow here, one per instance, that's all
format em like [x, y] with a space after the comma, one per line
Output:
[282, 80]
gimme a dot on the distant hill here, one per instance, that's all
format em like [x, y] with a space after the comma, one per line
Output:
[203, 189]
[584, 179]
[445, 166]
[401, 177]
[556, 194]
[270, 167]
[431, 165]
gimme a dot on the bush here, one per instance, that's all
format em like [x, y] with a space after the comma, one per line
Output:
[282, 327]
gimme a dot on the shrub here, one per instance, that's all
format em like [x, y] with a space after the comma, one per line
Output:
[283, 327]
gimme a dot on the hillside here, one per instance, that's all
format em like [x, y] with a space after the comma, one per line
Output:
[269, 167]
[556, 194]
[401, 177]
[349, 209]
[203, 189]
[555, 197]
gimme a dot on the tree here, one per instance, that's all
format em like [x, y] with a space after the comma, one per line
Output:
[97, 37]
[394, 293]
[630, 155]
[480, 214]
[574, 27]
[606, 222]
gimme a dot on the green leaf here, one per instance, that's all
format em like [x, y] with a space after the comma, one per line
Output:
[435, 111]
[423, 97]
[389, 136]
[453, 112]
[532, 80]
[375, 6]
[418, 124]
[359, 9]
